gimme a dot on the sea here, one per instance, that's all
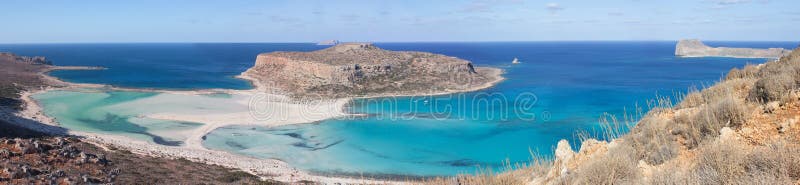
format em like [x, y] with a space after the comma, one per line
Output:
[560, 90]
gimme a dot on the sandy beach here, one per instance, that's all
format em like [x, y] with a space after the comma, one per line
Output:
[263, 109]
[33, 117]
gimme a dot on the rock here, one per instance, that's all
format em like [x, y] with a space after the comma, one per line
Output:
[90, 180]
[30, 171]
[68, 151]
[564, 155]
[61, 142]
[786, 125]
[100, 159]
[772, 106]
[28, 150]
[5, 153]
[40, 146]
[84, 158]
[59, 173]
[727, 134]
[696, 48]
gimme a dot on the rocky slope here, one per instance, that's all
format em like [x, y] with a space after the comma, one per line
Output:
[696, 48]
[362, 69]
[18, 73]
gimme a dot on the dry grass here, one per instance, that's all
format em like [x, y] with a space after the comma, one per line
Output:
[778, 79]
[773, 87]
[748, 71]
[652, 140]
[618, 166]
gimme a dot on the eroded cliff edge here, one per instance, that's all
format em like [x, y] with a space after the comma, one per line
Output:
[362, 69]
[696, 48]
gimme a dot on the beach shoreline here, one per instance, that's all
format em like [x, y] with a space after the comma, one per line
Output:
[193, 149]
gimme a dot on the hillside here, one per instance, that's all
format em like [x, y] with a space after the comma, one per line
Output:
[742, 130]
[362, 69]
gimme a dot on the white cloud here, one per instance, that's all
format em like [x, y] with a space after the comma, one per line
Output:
[554, 7]
[730, 2]
[484, 6]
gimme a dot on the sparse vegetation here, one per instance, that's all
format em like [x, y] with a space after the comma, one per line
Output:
[618, 166]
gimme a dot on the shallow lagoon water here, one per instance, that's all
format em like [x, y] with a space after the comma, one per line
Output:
[573, 83]
[123, 112]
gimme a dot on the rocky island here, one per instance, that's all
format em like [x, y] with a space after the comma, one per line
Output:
[696, 48]
[362, 69]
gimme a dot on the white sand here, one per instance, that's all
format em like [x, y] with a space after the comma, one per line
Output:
[272, 168]
[273, 111]
[262, 109]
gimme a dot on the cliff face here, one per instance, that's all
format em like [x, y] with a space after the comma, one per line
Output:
[357, 69]
[696, 48]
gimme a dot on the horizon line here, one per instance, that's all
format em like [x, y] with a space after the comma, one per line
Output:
[311, 42]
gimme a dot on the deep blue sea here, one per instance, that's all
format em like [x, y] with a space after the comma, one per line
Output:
[571, 85]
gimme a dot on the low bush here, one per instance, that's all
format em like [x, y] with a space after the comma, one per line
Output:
[772, 88]
[618, 166]
[652, 140]
[727, 112]
[691, 99]
[779, 163]
[748, 71]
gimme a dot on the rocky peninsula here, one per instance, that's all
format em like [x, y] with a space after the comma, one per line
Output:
[696, 48]
[362, 69]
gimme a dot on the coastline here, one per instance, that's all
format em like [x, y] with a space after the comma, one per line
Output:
[703, 56]
[193, 149]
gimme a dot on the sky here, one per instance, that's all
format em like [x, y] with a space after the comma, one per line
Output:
[103, 21]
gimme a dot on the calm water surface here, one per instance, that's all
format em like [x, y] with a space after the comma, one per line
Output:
[569, 85]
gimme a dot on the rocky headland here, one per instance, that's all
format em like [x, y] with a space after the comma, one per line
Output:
[696, 48]
[362, 69]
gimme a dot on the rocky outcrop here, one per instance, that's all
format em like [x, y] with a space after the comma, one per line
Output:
[10, 57]
[696, 48]
[362, 69]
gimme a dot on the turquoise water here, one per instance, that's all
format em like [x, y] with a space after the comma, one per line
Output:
[123, 112]
[559, 89]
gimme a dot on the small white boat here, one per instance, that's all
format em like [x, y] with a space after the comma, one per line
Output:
[516, 61]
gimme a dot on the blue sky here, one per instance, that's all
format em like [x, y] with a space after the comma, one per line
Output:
[62, 21]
